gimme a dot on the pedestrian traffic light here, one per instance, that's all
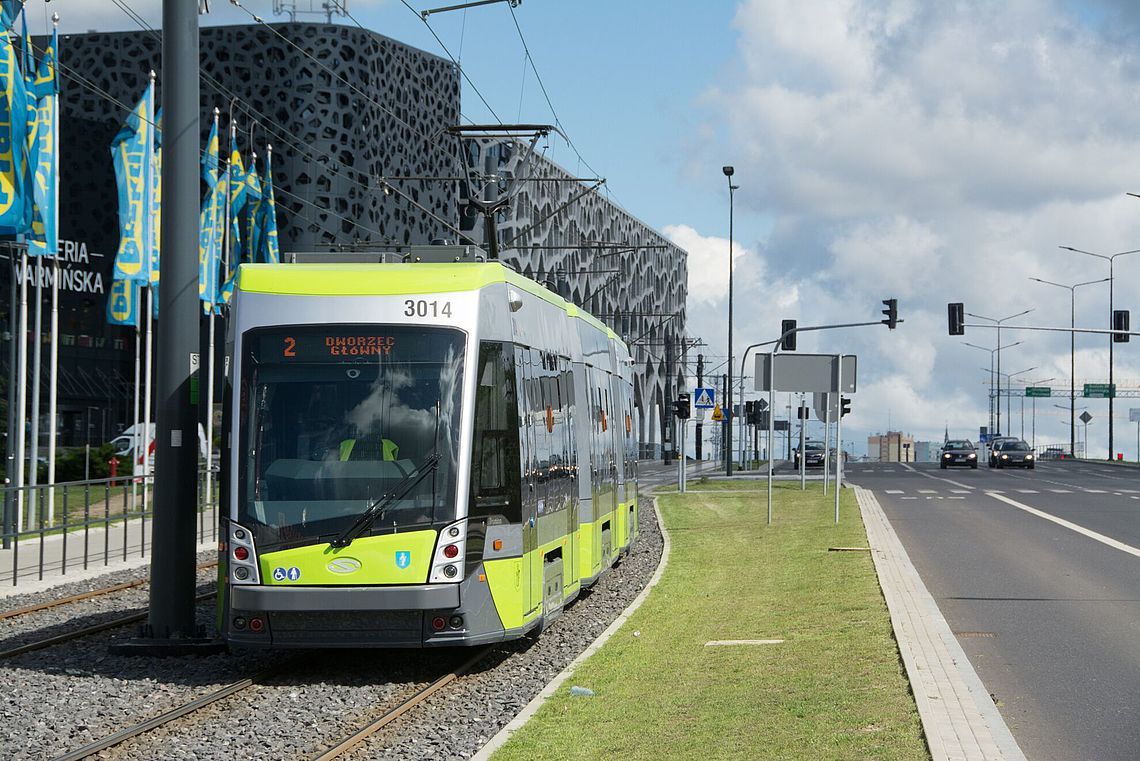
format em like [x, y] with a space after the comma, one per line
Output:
[681, 406]
[891, 312]
[844, 406]
[788, 335]
[956, 315]
[1120, 320]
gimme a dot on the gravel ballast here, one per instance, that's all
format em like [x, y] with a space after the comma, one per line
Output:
[65, 696]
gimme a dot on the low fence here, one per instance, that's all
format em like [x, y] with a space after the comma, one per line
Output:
[75, 525]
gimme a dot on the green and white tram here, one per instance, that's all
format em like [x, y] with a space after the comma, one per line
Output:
[419, 454]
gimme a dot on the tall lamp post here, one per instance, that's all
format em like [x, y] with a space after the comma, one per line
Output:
[992, 398]
[998, 323]
[1009, 395]
[1033, 429]
[1110, 258]
[1072, 358]
[727, 423]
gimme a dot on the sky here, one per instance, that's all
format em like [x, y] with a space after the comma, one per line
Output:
[929, 152]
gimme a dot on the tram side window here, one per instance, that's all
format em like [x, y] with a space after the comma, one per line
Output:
[495, 451]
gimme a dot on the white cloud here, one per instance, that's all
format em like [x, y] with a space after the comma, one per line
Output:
[932, 153]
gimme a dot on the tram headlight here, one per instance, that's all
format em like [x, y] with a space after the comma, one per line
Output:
[450, 571]
[241, 573]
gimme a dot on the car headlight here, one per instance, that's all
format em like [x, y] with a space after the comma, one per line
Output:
[947, 455]
[1005, 457]
[1029, 457]
[971, 456]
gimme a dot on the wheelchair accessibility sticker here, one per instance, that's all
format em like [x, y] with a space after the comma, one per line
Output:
[281, 574]
[403, 559]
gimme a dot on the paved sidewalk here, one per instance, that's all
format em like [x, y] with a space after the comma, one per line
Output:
[958, 716]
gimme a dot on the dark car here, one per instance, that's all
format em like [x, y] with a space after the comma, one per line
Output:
[1014, 454]
[958, 452]
[813, 457]
[992, 447]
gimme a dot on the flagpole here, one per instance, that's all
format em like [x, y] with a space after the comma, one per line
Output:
[53, 393]
[34, 412]
[21, 380]
[136, 298]
[208, 367]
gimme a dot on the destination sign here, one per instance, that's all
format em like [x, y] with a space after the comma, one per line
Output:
[1100, 390]
[305, 343]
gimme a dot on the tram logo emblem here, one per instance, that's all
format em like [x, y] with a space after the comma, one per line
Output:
[344, 565]
[403, 559]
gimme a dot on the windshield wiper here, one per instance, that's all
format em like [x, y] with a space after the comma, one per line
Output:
[376, 510]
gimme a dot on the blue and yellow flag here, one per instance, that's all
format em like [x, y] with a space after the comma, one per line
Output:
[9, 10]
[253, 218]
[123, 303]
[14, 184]
[210, 161]
[270, 251]
[44, 238]
[237, 200]
[156, 201]
[211, 226]
[132, 153]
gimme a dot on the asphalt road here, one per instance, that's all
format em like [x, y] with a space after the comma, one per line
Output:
[1048, 616]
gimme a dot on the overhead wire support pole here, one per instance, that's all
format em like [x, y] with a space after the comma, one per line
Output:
[463, 6]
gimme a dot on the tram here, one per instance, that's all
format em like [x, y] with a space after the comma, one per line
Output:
[434, 452]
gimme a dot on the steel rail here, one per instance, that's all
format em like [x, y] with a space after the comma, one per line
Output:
[79, 633]
[176, 713]
[85, 595]
[389, 716]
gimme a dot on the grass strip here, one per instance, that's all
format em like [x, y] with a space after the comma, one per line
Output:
[834, 689]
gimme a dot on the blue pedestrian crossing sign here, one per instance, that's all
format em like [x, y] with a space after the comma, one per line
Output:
[704, 398]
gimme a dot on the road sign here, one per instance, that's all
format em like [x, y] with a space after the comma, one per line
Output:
[704, 398]
[1038, 391]
[762, 404]
[1085, 417]
[801, 373]
[821, 405]
[717, 415]
[1100, 390]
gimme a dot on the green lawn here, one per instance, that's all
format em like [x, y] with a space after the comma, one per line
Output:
[834, 689]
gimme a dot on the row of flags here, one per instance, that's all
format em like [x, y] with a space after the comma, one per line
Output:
[237, 222]
[29, 157]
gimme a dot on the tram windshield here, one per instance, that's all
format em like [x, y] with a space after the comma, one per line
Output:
[335, 418]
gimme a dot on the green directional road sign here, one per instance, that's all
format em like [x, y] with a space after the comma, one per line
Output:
[1038, 391]
[1100, 391]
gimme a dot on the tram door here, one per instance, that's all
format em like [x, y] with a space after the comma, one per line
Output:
[531, 588]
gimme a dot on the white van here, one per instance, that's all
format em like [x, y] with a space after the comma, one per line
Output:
[129, 443]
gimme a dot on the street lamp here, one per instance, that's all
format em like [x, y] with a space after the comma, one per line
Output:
[1033, 429]
[998, 323]
[1009, 393]
[727, 423]
[1072, 357]
[1112, 338]
[992, 402]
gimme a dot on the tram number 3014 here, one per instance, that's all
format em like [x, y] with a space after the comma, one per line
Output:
[423, 308]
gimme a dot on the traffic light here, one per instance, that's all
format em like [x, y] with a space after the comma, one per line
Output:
[1120, 320]
[749, 411]
[844, 406]
[891, 312]
[788, 335]
[956, 315]
[681, 406]
[803, 413]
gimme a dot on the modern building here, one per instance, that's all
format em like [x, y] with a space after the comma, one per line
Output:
[362, 161]
[892, 446]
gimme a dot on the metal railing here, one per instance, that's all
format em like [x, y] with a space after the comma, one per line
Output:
[78, 524]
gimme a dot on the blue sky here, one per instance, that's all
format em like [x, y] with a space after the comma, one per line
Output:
[931, 152]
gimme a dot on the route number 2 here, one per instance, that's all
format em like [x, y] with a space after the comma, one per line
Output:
[290, 346]
[422, 308]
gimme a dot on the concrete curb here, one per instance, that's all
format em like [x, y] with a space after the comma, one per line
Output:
[958, 716]
[532, 707]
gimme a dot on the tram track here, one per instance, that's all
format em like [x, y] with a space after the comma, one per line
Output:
[81, 596]
[388, 711]
[86, 631]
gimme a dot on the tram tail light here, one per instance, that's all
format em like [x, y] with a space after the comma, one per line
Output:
[256, 625]
[241, 553]
[451, 551]
[243, 556]
[438, 623]
[452, 544]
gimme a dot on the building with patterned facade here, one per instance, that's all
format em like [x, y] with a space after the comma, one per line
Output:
[361, 161]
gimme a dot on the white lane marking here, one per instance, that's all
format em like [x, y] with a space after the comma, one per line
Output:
[959, 491]
[895, 491]
[887, 471]
[1027, 491]
[1106, 540]
[1129, 491]
[1061, 491]
[936, 478]
[1133, 496]
[927, 491]
[964, 498]
[994, 491]
[908, 497]
[1095, 491]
